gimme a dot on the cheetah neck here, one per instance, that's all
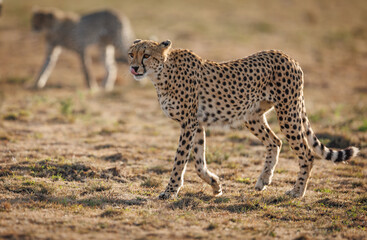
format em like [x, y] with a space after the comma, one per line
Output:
[180, 68]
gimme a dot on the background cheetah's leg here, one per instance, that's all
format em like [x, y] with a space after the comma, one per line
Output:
[293, 130]
[182, 156]
[260, 128]
[53, 53]
[108, 58]
[86, 62]
[200, 162]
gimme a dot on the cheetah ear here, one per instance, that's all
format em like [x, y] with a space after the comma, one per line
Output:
[166, 44]
[137, 41]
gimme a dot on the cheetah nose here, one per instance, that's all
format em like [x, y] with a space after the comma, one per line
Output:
[134, 70]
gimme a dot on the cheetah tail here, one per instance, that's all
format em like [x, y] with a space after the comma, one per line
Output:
[329, 154]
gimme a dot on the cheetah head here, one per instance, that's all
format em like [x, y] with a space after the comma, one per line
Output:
[42, 20]
[146, 58]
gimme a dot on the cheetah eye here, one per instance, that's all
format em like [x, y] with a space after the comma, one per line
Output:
[131, 55]
[146, 56]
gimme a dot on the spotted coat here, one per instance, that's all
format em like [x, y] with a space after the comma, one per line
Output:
[198, 93]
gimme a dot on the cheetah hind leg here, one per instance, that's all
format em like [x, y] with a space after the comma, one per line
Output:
[200, 163]
[297, 140]
[86, 65]
[260, 128]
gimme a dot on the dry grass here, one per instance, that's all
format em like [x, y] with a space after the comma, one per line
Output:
[77, 165]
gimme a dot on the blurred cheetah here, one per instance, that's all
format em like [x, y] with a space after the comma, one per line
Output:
[65, 30]
[196, 93]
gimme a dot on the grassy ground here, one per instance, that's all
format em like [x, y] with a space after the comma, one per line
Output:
[79, 165]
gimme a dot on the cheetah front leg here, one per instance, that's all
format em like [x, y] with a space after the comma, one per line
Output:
[200, 163]
[52, 55]
[182, 156]
[108, 58]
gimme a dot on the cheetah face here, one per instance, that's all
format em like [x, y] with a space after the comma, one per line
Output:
[42, 20]
[146, 58]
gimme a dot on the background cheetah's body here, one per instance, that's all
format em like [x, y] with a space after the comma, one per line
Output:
[64, 30]
[199, 93]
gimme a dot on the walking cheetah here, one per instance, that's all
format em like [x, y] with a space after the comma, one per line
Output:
[197, 93]
[65, 30]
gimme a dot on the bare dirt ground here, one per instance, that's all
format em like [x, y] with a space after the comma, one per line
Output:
[82, 165]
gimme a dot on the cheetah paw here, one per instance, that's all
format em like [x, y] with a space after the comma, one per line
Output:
[294, 194]
[261, 184]
[164, 196]
[218, 192]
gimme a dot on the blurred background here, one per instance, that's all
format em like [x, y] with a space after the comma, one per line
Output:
[327, 38]
[59, 145]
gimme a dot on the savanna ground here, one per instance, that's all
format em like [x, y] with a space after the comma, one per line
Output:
[75, 164]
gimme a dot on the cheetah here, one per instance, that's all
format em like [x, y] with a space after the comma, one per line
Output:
[198, 93]
[66, 30]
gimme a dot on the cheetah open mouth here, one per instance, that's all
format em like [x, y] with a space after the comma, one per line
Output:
[136, 75]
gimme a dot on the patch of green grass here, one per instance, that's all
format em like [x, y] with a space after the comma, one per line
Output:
[281, 171]
[68, 171]
[216, 157]
[317, 117]
[151, 183]
[37, 135]
[236, 138]
[98, 186]
[77, 208]
[363, 127]
[331, 203]
[57, 177]
[323, 190]
[243, 180]
[325, 141]
[66, 107]
[22, 114]
[232, 165]
[362, 200]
